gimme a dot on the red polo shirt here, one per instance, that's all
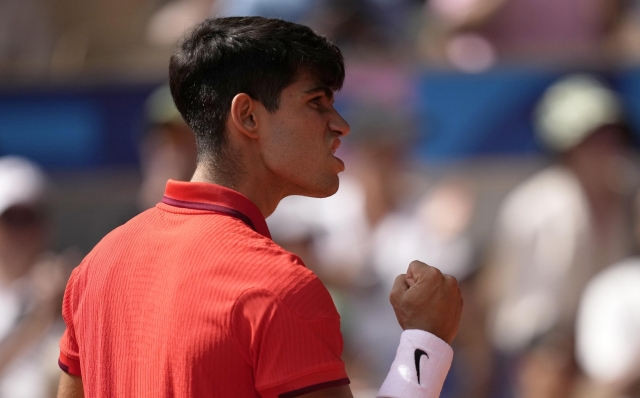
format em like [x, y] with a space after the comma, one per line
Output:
[192, 298]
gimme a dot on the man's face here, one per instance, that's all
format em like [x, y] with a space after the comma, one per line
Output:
[301, 137]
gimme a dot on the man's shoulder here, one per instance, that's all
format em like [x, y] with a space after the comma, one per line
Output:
[306, 298]
[275, 268]
[133, 226]
[183, 227]
[284, 276]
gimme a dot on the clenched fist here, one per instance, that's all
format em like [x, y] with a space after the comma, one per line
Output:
[425, 299]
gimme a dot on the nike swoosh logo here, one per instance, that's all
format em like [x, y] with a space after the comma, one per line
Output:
[417, 354]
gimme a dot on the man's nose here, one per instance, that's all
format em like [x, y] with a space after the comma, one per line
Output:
[339, 126]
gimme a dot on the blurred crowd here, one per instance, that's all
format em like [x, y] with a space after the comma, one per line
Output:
[547, 265]
[58, 40]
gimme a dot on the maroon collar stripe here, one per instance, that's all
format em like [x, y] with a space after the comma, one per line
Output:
[209, 207]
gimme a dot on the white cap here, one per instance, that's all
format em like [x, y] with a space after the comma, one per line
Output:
[21, 183]
[573, 108]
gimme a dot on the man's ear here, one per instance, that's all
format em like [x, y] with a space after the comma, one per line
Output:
[243, 115]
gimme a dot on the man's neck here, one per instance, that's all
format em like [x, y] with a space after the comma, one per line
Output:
[257, 189]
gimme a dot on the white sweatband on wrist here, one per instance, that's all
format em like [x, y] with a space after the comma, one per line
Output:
[421, 365]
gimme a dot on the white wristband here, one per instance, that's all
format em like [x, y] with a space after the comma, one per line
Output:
[421, 365]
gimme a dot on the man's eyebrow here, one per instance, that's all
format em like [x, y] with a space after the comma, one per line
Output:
[321, 89]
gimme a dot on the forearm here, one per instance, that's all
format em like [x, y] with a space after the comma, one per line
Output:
[70, 386]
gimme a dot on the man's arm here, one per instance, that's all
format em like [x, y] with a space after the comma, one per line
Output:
[424, 300]
[70, 386]
[428, 305]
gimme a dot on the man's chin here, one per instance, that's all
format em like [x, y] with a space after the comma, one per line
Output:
[324, 191]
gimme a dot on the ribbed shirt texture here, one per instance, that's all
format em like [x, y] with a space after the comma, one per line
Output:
[192, 298]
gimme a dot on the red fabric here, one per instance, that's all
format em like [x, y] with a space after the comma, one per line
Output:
[181, 302]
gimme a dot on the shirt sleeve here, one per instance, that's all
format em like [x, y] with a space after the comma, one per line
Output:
[293, 343]
[69, 360]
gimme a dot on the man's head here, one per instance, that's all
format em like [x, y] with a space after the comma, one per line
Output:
[260, 57]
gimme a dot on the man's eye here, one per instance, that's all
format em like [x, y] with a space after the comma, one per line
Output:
[317, 100]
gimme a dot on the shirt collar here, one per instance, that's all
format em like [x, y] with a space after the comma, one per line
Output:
[216, 198]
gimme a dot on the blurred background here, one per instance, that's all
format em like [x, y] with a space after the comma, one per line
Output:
[493, 139]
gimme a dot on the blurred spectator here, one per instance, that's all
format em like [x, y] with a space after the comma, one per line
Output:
[608, 331]
[556, 230]
[31, 284]
[168, 148]
[472, 35]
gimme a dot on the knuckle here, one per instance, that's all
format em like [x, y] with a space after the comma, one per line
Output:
[452, 281]
[433, 272]
[417, 266]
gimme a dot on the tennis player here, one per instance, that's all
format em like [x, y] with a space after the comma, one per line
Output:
[192, 298]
